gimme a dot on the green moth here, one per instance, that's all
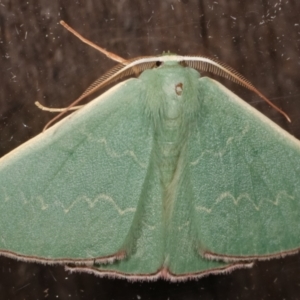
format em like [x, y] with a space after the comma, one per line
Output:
[167, 175]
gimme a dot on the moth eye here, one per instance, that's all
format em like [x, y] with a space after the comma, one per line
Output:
[179, 88]
[158, 63]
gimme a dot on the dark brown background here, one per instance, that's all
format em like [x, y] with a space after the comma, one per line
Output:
[41, 61]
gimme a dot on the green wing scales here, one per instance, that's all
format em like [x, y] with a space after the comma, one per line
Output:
[64, 193]
[245, 173]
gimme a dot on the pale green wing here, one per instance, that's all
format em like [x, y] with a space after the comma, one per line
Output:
[71, 192]
[244, 172]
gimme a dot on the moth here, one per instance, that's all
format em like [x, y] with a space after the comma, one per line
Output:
[167, 175]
